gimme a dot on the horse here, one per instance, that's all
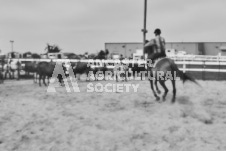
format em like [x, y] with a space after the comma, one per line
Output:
[165, 66]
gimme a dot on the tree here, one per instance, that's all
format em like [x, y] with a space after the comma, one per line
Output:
[35, 56]
[52, 49]
[106, 52]
[71, 56]
[27, 54]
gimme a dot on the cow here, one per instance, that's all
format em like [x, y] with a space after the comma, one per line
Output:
[84, 67]
[46, 69]
[121, 70]
[137, 68]
[31, 67]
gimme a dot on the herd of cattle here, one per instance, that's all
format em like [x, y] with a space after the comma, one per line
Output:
[44, 70]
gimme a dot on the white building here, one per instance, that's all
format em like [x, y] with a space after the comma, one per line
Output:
[195, 48]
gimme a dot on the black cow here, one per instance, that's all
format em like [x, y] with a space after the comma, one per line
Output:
[100, 70]
[81, 68]
[45, 69]
[84, 67]
[31, 67]
[137, 68]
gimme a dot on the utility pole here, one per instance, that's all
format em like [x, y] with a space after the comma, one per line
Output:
[11, 41]
[125, 51]
[144, 30]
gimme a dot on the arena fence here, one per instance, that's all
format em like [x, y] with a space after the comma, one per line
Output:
[204, 67]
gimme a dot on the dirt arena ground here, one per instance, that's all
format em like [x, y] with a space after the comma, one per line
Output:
[33, 120]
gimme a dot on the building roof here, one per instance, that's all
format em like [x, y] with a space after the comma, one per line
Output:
[188, 42]
[222, 48]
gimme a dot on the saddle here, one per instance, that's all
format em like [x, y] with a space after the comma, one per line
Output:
[155, 60]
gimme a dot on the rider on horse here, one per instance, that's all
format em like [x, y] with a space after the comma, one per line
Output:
[159, 43]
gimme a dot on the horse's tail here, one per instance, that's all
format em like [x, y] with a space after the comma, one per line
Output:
[184, 76]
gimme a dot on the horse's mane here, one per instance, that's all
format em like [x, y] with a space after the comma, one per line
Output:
[159, 59]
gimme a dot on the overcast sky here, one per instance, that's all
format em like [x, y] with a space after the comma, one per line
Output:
[85, 25]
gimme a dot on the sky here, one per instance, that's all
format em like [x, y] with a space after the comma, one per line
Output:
[85, 25]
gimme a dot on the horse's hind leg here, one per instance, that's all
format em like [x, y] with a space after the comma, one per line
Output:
[174, 91]
[152, 88]
[162, 82]
[157, 88]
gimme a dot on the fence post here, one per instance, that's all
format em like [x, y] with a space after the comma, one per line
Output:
[2, 75]
[3, 59]
[219, 70]
[18, 70]
[184, 67]
[203, 70]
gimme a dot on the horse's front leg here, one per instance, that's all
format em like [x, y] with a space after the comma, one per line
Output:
[156, 96]
[174, 91]
[162, 82]
[157, 88]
